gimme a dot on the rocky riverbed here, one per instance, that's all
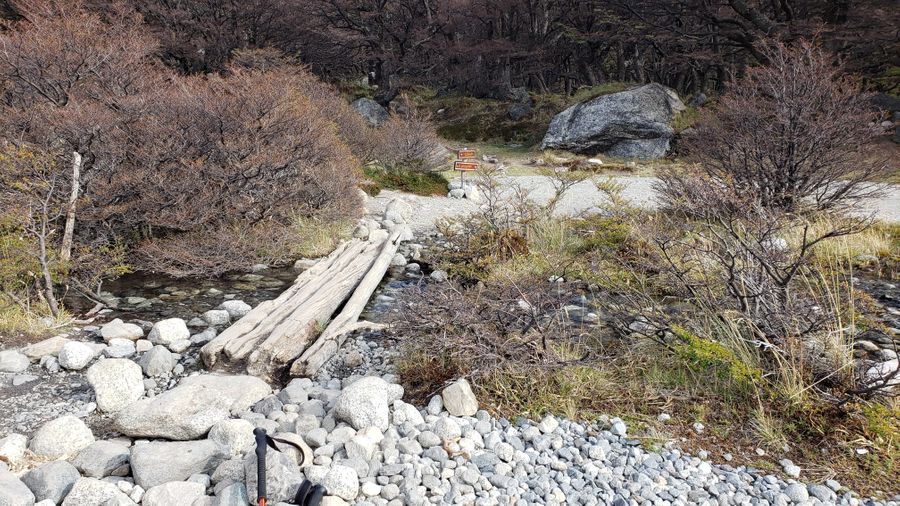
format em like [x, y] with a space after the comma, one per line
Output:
[123, 413]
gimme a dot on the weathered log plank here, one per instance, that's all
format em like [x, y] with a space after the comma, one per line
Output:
[331, 339]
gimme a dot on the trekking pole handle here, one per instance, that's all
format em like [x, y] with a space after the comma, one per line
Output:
[260, 435]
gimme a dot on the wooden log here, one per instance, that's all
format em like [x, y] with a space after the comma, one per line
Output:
[294, 333]
[247, 331]
[331, 339]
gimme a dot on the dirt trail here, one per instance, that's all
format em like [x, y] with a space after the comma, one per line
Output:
[581, 198]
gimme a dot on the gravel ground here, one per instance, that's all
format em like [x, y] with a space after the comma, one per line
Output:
[582, 197]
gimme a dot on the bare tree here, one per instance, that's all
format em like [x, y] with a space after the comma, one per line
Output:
[789, 136]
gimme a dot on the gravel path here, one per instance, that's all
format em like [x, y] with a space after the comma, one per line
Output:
[582, 197]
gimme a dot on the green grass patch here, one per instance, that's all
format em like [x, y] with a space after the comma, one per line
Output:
[419, 183]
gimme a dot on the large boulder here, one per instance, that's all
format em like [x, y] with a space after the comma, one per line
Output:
[371, 111]
[365, 403]
[52, 480]
[185, 412]
[13, 492]
[234, 436]
[189, 410]
[630, 124]
[160, 462]
[62, 437]
[117, 382]
[243, 391]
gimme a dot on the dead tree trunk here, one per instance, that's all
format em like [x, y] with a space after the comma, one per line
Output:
[65, 250]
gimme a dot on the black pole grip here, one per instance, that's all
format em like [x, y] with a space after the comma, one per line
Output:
[260, 435]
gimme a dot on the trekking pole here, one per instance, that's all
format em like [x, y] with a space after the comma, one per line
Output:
[260, 435]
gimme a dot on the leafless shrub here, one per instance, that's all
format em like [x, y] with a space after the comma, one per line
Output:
[491, 325]
[408, 141]
[789, 136]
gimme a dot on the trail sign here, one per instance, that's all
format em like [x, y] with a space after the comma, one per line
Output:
[465, 153]
[465, 166]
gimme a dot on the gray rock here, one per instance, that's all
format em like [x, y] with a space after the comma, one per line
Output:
[204, 337]
[217, 317]
[158, 361]
[398, 211]
[243, 391]
[235, 437]
[102, 459]
[233, 495]
[796, 492]
[166, 332]
[459, 400]
[283, 477]
[64, 436]
[117, 329]
[631, 124]
[438, 275]
[120, 348]
[94, 492]
[40, 349]
[75, 356]
[13, 492]
[517, 112]
[175, 492]
[117, 382]
[52, 480]
[183, 413]
[342, 481]
[237, 309]
[365, 403]
[159, 462]
[21, 379]
[370, 110]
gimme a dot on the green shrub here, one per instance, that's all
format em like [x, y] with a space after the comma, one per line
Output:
[704, 355]
[419, 183]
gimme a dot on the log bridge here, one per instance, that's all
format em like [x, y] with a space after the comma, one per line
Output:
[299, 331]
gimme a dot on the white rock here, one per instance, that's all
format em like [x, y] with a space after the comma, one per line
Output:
[447, 429]
[64, 436]
[548, 424]
[102, 459]
[459, 400]
[217, 317]
[235, 436]
[117, 329]
[168, 331]
[619, 428]
[398, 211]
[364, 403]
[52, 480]
[117, 382]
[174, 492]
[360, 447]
[237, 309]
[243, 390]
[158, 361]
[185, 412]
[370, 489]
[342, 481]
[12, 447]
[94, 492]
[404, 412]
[75, 356]
[120, 348]
[159, 462]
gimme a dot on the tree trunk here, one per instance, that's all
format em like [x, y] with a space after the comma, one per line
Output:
[65, 250]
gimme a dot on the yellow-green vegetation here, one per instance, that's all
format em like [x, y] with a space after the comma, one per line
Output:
[315, 238]
[417, 182]
[22, 322]
[686, 119]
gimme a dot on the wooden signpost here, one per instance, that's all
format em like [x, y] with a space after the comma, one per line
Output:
[465, 163]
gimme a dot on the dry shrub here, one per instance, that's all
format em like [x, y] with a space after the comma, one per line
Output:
[408, 141]
[490, 326]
